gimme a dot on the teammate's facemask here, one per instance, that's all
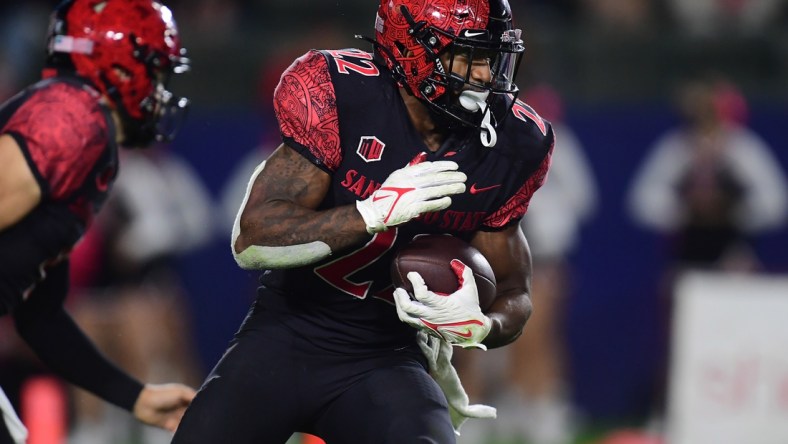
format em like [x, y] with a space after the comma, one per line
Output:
[435, 49]
[128, 50]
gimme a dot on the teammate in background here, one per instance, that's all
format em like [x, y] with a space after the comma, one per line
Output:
[107, 70]
[423, 135]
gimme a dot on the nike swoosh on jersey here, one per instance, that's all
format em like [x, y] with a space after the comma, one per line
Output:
[475, 190]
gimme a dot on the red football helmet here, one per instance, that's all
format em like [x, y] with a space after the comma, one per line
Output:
[413, 35]
[127, 49]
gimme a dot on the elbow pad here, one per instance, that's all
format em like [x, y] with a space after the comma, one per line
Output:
[259, 257]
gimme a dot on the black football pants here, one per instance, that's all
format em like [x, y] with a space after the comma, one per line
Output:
[271, 383]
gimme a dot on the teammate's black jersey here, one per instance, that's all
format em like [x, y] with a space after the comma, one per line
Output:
[68, 140]
[344, 113]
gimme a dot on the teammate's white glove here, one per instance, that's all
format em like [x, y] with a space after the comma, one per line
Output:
[411, 191]
[455, 318]
[438, 353]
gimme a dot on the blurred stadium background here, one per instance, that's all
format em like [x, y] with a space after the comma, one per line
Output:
[616, 63]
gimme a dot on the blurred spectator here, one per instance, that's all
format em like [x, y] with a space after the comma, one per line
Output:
[712, 183]
[713, 17]
[620, 15]
[709, 186]
[211, 22]
[544, 13]
[129, 299]
[20, 43]
[535, 402]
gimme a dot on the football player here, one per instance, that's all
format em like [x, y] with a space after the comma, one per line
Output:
[104, 85]
[425, 134]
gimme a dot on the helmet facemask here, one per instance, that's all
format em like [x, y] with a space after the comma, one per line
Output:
[128, 50]
[467, 99]
[162, 112]
[436, 50]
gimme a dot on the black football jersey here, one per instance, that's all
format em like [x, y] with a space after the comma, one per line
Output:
[344, 113]
[68, 140]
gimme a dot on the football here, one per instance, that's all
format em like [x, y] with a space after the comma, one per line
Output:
[431, 257]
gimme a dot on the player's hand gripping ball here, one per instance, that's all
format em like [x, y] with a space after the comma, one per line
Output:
[431, 257]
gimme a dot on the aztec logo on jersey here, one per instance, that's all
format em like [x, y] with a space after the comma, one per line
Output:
[370, 148]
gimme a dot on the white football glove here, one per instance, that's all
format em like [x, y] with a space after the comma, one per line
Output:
[438, 353]
[455, 318]
[411, 191]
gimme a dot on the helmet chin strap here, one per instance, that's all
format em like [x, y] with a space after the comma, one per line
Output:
[474, 101]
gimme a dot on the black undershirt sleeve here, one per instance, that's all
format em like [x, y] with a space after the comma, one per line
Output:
[44, 324]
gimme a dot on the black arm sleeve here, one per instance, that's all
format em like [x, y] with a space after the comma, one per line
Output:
[44, 324]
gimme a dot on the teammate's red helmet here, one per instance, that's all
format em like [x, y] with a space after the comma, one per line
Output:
[127, 49]
[412, 35]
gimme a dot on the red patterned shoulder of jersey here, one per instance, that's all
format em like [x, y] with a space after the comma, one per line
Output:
[65, 132]
[306, 107]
